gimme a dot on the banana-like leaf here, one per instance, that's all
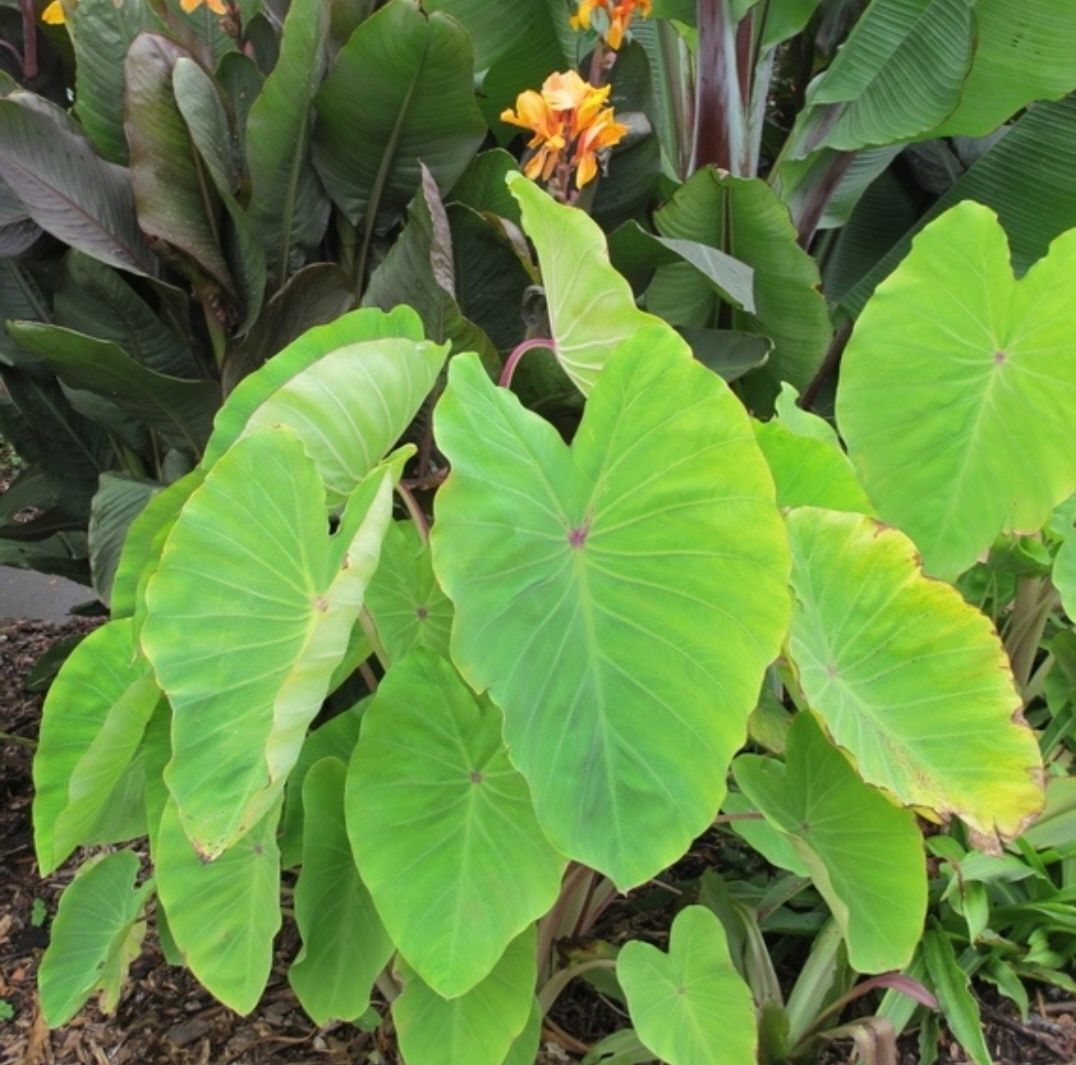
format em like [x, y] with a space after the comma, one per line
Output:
[953, 988]
[1024, 52]
[95, 936]
[288, 208]
[909, 678]
[222, 914]
[864, 854]
[978, 357]
[119, 500]
[809, 466]
[442, 826]
[345, 944]
[349, 389]
[400, 94]
[477, 1028]
[405, 600]
[250, 553]
[68, 190]
[591, 308]
[93, 720]
[571, 565]
[745, 218]
[180, 411]
[690, 1006]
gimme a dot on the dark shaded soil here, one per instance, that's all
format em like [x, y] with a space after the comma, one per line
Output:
[165, 1018]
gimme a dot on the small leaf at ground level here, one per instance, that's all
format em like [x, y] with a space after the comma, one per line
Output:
[405, 600]
[591, 308]
[94, 717]
[578, 565]
[345, 945]
[951, 985]
[907, 677]
[91, 935]
[222, 914]
[401, 92]
[442, 826]
[250, 550]
[349, 389]
[951, 336]
[690, 1006]
[477, 1028]
[864, 854]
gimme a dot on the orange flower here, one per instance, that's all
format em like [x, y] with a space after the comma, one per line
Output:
[618, 13]
[570, 123]
[54, 14]
[216, 6]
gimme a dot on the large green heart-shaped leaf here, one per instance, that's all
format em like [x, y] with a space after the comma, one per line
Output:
[443, 828]
[288, 209]
[181, 411]
[345, 944]
[349, 389]
[864, 854]
[591, 307]
[1024, 52]
[250, 551]
[809, 466]
[400, 93]
[690, 1006]
[585, 567]
[988, 365]
[405, 600]
[908, 677]
[477, 1028]
[91, 726]
[223, 914]
[94, 937]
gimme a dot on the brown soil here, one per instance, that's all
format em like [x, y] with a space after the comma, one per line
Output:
[166, 1018]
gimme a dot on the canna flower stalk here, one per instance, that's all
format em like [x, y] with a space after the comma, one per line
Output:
[618, 14]
[571, 125]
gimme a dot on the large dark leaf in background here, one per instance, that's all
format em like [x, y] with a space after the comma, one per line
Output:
[401, 93]
[118, 501]
[171, 188]
[287, 206]
[66, 188]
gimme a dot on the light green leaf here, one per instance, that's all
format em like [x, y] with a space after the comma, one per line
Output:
[119, 500]
[93, 720]
[407, 604]
[477, 1028]
[250, 550]
[577, 565]
[1056, 825]
[335, 739]
[171, 191]
[958, 1004]
[764, 837]
[94, 928]
[50, 166]
[591, 308]
[401, 92]
[807, 461]
[1024, 52]
[909, 678]
[783, 19]
[181, 411]
[864, 854]
[745, 218]
[1064, 570]
[862, 100]
[349, 389]
[223, 914]
[287, 206]
[977, 356]
[442, 826]
[345, 945]
[690, 1006]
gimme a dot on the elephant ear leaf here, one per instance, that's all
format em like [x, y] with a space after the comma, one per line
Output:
[690, 1006]
[250, 550]
[978, 356]
[908, 678]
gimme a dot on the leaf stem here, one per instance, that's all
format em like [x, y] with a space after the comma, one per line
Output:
[19, 741]
[29, 40]
[518, 352]
[550, 992]
[370, 629]
[422, 523]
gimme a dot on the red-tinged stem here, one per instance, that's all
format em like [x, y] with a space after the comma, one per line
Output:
[906, 985]
[417, 515]
[719, 109]
[29, 40]
[518, 352]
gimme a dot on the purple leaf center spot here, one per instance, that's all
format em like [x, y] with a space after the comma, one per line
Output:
[831, 670]
[476, 777]
[577, 537]
[421, 613]
[1000, 357]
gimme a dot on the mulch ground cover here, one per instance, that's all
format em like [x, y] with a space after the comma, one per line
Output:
[166, 1018]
